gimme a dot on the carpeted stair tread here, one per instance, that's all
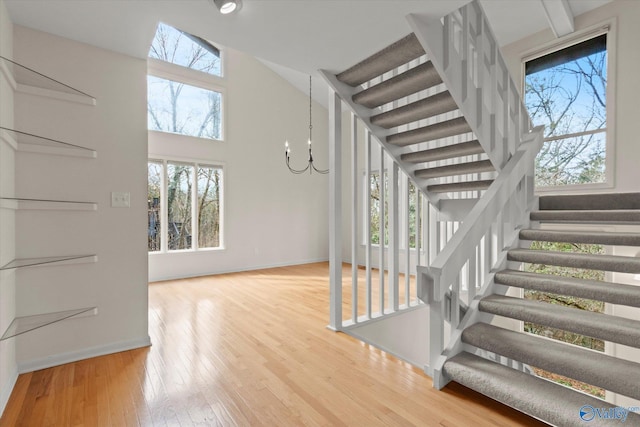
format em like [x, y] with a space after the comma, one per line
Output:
[456, 169]
[595, 201]
[539, 398]
[439, 103]
[576, 216]
[468, 148]
[404, 50]
[460, 186]
[614, 293]
[620, 264]
[592, 367]
[411, 81]
[596, 325]
[432, 132]
[594, 237]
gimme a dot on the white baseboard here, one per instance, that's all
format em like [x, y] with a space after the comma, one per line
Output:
[74, 356]
[6, 391]
[237, 270]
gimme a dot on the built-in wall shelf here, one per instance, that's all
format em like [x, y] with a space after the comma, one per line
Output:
[52, 205]
[23, 324]
[26, 80]
[23, 141]
[52, 260]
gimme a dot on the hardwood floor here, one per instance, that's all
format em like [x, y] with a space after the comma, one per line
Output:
[246, 349]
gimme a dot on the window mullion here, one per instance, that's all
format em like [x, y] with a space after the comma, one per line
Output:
[164, 209]
[194, 209]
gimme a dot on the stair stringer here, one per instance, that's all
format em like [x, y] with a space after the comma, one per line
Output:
[486, 95]
[346, 92]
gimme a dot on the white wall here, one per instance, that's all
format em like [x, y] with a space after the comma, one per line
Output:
[116, 128]
[8, 365]
[271, 217]
[627, 62]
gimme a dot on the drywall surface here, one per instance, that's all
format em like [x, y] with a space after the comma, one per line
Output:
[271, 216]
[116, 128]
[8, 365]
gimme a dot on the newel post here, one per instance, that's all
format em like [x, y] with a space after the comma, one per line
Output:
[335, 211]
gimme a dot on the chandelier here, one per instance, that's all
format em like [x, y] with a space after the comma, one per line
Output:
[310, 166]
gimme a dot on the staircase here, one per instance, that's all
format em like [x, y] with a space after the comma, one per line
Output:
[537, 397]
[444, 109]
[401, 97]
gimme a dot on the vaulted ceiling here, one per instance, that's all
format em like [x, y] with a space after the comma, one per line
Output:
[294, 37]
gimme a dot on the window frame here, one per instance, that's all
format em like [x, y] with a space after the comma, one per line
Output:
[181, 74]
[607, 27]
[164, 209]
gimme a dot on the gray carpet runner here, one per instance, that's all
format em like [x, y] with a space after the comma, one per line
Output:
[596, 325]
[456, 169]
[619, 264]
[399, 53]
[591, 237]
[462, 149]
[618, 216]
[434, 105]
[589, 366]
[541, 399]
[411, 81]
[431, 178]
[598, 201]
[614, 293]
[460, 186]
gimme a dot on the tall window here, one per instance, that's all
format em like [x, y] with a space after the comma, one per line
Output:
[567, 92]
[185, 206]
[189, 102]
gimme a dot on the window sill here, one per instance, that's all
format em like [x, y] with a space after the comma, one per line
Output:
[187, 251]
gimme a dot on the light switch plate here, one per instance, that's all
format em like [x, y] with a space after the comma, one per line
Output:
[120, 199]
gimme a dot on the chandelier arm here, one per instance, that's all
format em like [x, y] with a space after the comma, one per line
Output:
[297, 171]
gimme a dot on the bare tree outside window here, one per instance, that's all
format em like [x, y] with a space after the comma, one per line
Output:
[180, 108]
[209, 184]
[175, 106]
[566, 92]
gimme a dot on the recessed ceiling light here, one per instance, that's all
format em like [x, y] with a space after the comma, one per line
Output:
[228, 6]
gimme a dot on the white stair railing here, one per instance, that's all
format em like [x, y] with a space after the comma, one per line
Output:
[388, 284]
[462, 273]
[465, 53]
